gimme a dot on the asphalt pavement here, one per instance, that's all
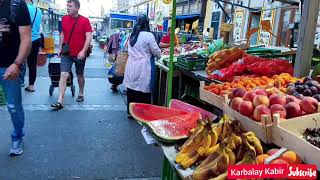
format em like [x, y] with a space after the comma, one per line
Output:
[89, 140]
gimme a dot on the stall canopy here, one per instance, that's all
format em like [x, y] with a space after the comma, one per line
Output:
[123, 16]
[187, 16]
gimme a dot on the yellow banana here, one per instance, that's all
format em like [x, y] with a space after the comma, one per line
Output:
[232, 156]
[212, 149]
[256, 144]
[236, 139]
[214, 137]
[249, 134]
[202, 150]
[221, 176]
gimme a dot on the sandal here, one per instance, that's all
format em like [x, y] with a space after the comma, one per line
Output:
[57, 105]
[80, 99]
[29, 90]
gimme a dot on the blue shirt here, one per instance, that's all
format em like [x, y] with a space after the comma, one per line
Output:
[37, 22]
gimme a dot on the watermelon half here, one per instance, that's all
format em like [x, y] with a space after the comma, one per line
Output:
[147, 112]
[175, 128]
[179, 105]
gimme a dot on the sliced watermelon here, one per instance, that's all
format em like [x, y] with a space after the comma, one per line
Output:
[147, 112]
[175, 128]
[179, 105]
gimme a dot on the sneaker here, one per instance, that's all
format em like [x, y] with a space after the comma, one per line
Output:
[17, 148]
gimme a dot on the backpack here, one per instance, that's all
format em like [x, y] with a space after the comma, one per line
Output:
[14, 10]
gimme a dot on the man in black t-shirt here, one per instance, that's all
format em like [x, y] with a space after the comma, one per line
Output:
[15, 44]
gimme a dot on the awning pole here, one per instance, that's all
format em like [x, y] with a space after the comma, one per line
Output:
[172, 35]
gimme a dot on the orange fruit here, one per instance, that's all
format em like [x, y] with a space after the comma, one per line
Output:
[291, 157]
[219, 87]
[214, 91]
[261, 158]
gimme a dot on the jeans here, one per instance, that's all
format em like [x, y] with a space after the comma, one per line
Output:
[12, 91]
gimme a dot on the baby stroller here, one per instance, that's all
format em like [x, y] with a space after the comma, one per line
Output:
[54, 73]
[114, 79]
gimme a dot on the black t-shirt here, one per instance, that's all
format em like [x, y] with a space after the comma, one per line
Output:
[9, 45]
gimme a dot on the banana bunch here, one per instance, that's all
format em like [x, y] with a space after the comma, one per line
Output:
[202, 139]
[215, 164]
[234, 146]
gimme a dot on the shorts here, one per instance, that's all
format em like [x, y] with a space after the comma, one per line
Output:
[67, 61]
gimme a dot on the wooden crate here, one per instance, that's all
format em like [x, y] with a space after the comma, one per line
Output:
[211, 98]
[288, 134]
[262, 130]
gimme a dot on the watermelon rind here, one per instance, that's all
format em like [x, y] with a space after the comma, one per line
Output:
[146, 112]
[180, 105]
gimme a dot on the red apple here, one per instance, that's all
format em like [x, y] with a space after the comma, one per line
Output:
[278, 109]
[259, 111]
[249, 96]
[234, 104]
[246, 108]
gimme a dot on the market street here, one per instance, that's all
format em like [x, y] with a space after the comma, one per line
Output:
[90, 140]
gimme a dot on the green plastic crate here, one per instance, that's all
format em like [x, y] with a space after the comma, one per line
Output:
[2, 97]
[192, 64]
[168, 172]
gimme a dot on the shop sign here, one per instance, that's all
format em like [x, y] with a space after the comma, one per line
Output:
[238, 25]
[265, 37]
[226, 27]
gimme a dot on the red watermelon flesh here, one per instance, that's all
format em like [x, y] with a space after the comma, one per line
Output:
[179, 105]
[175, 128]
[147, 112]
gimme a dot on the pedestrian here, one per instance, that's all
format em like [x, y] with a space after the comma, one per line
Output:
[15, 45]
[75, 39]
[36, 18]
[137, 76]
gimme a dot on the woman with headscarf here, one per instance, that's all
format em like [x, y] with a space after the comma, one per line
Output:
[137, 77]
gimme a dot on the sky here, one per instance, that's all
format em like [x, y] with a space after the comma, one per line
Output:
[89, 7]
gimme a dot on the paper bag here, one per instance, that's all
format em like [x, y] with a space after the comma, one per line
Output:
[121, 62]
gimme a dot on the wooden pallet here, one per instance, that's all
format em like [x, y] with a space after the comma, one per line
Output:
[288, 134]
[211, 98]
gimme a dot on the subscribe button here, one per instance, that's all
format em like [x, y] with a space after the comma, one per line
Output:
[300, 171]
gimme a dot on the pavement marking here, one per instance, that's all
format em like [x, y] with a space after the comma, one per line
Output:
[93, 107]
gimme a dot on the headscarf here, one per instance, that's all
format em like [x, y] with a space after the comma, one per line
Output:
[141, 25]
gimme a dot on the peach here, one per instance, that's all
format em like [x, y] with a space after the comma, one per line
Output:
[260, 92]
[261, 158]
[291, 157]
[238, 92]
[277, 99]
[249, 96]
[272, 151]
[234, 104]
[246, 108]
[293, 110]
[279, 161]
[309, 105]
[259, 111]
[261, 99]
[278, 109]
[292, 99]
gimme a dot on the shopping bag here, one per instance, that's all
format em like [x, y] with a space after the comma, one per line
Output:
[120, 63]
[42, 59]
[111, 58]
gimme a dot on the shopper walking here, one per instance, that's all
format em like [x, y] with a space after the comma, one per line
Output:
[36, 18]
[137, 77]
[75, 40]
[15, 45]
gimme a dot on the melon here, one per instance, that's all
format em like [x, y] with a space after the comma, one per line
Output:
[179, 105]
[147, 112]
[175, 128]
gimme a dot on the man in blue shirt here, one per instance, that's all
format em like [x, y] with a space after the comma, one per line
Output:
[36, 18]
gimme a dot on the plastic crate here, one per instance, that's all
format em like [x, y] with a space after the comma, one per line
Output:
[192, 64]
[168, 172]
[2, 97]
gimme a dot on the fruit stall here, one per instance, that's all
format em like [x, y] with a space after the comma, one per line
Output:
[270, 107]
